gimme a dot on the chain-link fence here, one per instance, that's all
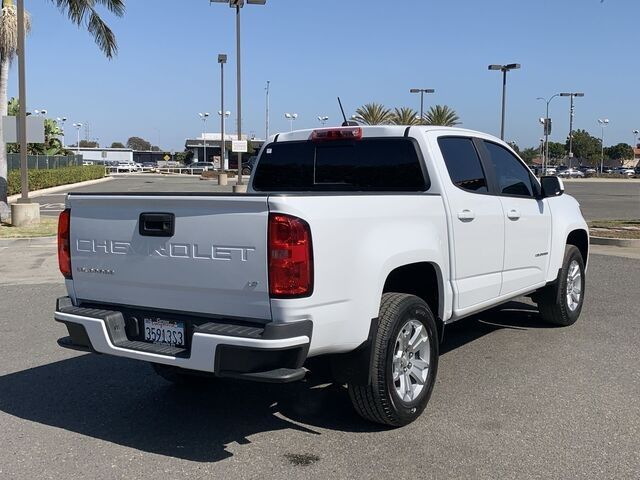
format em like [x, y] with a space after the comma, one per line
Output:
[43, 162]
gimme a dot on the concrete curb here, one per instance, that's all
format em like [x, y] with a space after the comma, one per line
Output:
[617, 242]
[59, 188]
[8, 242]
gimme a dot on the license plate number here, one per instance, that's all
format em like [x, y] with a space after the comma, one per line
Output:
[165, 332]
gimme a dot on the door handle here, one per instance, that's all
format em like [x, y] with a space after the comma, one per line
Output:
[466, 215]
[157, 224]
[513, 214]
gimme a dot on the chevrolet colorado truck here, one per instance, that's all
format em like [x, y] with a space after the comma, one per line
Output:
[353, 244]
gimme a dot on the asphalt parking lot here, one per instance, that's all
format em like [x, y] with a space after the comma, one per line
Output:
[615, 199]
[514, 398]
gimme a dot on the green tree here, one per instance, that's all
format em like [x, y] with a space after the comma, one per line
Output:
[373, 114]
[442, 115]
[619, 152]
[138, 143]
[80, 12]
[405, 116]
[89, 144]
[117, 145]
[586, 148]
[528, 154]
[557, 150]
[515, 146]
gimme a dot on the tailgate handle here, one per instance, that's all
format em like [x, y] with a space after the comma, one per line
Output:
[157, 224]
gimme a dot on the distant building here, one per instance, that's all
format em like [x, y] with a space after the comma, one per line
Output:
[102, 155]
[212, 140]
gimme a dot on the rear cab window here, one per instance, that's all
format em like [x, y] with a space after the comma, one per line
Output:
[369, 164]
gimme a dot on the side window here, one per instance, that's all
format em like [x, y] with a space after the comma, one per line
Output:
[512, 176]
[463, 163]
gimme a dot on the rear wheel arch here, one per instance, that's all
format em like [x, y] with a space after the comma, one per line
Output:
[422, 279]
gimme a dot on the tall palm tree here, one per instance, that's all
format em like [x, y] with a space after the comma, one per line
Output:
[373, 114]
[405, 116]
[80, 12]
[442, 115]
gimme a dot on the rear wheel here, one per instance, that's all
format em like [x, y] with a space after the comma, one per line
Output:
[404, 363]
[561, 302]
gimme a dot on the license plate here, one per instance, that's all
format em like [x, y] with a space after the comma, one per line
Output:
[165, 332]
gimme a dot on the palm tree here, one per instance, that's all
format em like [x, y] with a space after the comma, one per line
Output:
[373, 114]
[405, 116]
[442, 115]
[80, 12]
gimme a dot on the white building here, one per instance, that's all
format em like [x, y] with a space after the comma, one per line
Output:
[102, 155]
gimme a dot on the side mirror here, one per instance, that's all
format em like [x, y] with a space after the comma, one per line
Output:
[551, 186]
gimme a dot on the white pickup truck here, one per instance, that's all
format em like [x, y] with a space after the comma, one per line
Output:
[358, 244]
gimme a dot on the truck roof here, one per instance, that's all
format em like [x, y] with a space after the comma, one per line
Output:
[374, 131]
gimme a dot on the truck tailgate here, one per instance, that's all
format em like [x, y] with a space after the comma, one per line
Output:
[215, 262]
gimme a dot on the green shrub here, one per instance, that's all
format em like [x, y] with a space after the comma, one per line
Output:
[53, 177]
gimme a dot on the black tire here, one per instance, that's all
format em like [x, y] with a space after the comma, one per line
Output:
[552, 300]
[179, 376]
[246, 171]
[380, 402]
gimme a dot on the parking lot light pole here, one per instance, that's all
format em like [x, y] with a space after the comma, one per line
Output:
[223, 120]
[78, 127]
[603, 123]
[238, 4]
[291, 117]
[323, 119]
[422, 91]
[635, 143]
[204, 116]
[571, 114]
[222, 59]
[504, 69]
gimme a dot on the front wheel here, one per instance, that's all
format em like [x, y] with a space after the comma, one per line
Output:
[561, 302]
[404, 363]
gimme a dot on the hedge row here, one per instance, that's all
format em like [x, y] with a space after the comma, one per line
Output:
[55, 176]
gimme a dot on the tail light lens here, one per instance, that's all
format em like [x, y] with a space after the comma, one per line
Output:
[64, 243]
[290, 257]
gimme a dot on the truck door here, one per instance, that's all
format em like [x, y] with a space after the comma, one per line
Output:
[527, 220]
[476, 224]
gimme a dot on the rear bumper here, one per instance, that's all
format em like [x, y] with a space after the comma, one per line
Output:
[272, 352]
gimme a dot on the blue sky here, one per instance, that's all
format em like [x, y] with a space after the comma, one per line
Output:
[364, 51]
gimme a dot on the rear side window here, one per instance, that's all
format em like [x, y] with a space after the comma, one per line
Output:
[370, 164]
[463, 163]
[512, 176]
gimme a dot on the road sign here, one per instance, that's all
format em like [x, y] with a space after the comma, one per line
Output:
[239, 146]
[166, 157]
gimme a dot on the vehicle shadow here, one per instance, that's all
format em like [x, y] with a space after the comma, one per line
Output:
[124, 402]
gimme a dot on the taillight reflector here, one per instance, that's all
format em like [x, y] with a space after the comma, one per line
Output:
[64, 243]
[328, 134]
[290, 257]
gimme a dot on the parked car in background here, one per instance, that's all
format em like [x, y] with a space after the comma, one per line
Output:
[625, 171]
[571, 173]
[197, 168]
[149, 165]
[247, 167]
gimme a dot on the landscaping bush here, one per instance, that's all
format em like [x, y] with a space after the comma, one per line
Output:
[39, 179]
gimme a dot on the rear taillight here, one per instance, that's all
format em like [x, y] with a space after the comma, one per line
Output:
[290, 257]
[64, 243]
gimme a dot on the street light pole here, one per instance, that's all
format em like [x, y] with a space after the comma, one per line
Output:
[635, 143]
[291, 117]
[547, 129]
[571, 114]
[323, 119]
[421, 91]
[22, 94]
[504, 69]
[603, 123]
[223, 119]
[238, 4]
[204, 116]
[78, 127]
[222, 59]
[266, 116]
[62, 121]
